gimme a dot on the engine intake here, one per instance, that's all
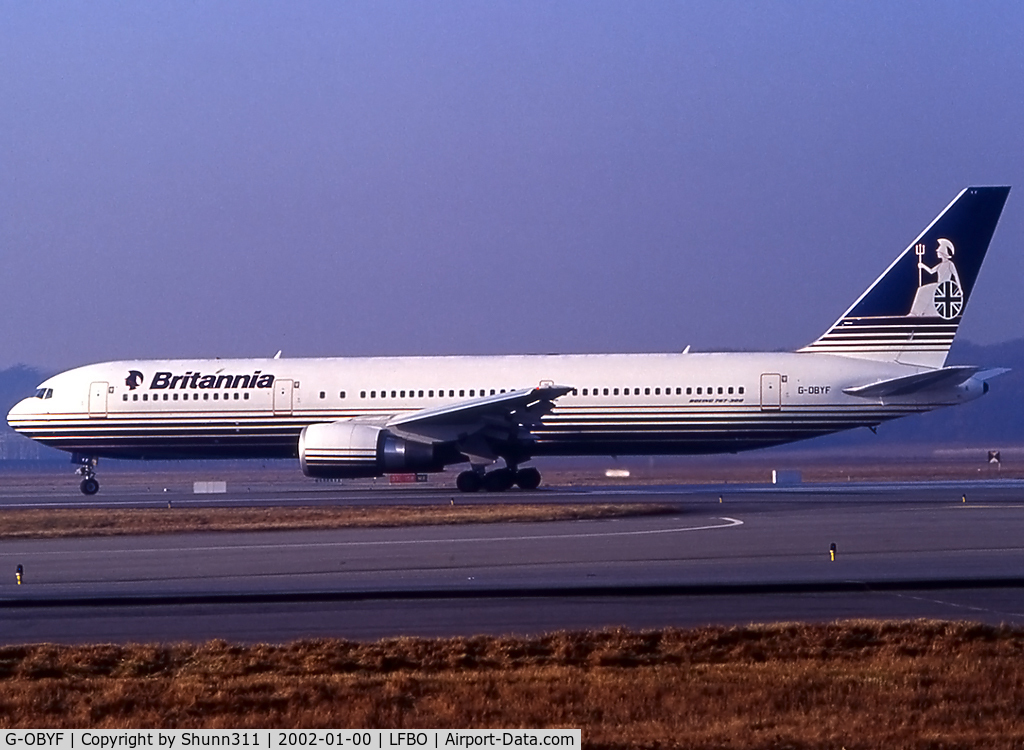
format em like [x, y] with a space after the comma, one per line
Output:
[349, 449]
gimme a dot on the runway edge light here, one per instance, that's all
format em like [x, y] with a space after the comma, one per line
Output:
[19, 572]
[832, 551]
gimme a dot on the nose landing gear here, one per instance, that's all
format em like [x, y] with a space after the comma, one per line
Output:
[89, 486]
[87, 469]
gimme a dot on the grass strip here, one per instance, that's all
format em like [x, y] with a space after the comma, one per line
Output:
[857, 684]
[53, 523]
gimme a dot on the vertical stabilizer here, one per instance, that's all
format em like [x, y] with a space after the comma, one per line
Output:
[912, 311]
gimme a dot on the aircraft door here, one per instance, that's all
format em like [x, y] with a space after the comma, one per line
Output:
[98, 400]
[771, 391]
[283, 391]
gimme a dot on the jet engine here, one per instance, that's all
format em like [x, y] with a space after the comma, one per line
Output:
[348, 449]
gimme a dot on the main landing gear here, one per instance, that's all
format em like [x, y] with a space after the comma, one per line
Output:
[498, 480]
[90, 485]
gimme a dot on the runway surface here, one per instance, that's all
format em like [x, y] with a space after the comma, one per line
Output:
[760, 555]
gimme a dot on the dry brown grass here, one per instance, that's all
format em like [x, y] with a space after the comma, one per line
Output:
[853, 685]
[58, 522]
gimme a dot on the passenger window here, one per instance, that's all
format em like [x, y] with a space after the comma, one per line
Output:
[246, 396]
[605, 391]
[145, 397]
[342, 394]
[615, 392]
[393, 394]
[720, 390]
[236, 397]
[402, 394]
[741, 389]
[362, 394]
[689, 391]
[125, 397]
[430, 394]
[584, 391]
[462, 393]
[574, 392]
[730, 390]
[699, 390]
[373, 394]
[176, 396]
[215, 396]
[657, 391]
[679, 391]
[135, 397]
[206, 397]
[165, 397]
[323, 395]
[647, 391]
[420, 394]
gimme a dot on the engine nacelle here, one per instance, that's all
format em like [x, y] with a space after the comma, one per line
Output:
[350, 449]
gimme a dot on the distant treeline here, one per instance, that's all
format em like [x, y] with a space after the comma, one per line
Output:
[995, 421]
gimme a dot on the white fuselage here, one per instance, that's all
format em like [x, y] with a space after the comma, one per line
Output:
[620, 403]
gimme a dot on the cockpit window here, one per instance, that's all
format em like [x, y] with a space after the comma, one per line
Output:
[44, 393]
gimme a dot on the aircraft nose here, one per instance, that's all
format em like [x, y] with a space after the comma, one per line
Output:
[20, 411]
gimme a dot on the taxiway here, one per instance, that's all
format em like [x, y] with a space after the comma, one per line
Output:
[761, 554]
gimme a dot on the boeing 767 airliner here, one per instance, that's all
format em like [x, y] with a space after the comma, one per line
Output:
[365, 417]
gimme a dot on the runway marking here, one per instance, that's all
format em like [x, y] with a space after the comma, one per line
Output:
[61, 505]
[954, 605]
[826, 488]
[729, 523]
[987, 507]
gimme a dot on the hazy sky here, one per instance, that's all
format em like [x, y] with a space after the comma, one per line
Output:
[230, 179]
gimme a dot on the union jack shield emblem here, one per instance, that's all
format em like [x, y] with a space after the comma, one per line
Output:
[949, 300]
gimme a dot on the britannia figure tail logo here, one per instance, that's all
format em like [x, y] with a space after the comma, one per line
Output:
[134, 379]
[942, 297]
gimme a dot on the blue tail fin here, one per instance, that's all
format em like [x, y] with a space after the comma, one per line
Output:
[912, 311]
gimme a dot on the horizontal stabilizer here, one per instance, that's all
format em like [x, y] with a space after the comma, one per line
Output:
[946, 377]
